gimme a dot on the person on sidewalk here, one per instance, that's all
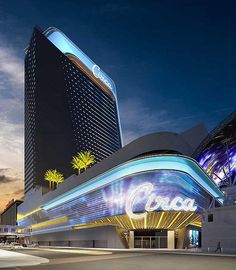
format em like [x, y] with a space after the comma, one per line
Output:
[218, 248]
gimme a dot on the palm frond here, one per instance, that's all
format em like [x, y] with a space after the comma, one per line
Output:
[53, 176]
[82, 160]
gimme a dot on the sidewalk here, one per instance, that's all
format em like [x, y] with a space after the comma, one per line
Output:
[13, 259]
[187, 252]
[196, 252]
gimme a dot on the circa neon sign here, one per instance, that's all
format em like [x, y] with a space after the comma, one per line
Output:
[99, 74]
[154, 202]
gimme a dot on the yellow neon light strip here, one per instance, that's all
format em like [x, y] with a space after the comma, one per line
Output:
[132, 223]
[184, 221]
[172, 222]
[165, 220]
[195, 223]
[20, 216]
[145, 222]
[49, 222]
[90, 225]
[160, 219]
[118, 221]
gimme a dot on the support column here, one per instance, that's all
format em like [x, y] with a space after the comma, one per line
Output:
[171, 239]
[181, 238]
[131, 239]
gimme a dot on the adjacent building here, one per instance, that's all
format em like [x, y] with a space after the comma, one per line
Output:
[9, 215]
[217, 153]
[70, 106]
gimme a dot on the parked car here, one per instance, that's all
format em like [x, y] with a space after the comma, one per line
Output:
[16, 246]
[31, 245]
[6, 245]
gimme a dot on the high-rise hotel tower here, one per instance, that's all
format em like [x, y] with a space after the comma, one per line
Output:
[70, 106]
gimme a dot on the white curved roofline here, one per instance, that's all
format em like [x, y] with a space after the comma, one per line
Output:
[143, 164]
[78, 53]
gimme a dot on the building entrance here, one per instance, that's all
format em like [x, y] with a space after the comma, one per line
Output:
[150, 242]
[150, 239]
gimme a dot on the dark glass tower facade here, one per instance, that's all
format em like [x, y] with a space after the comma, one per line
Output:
[70, 106]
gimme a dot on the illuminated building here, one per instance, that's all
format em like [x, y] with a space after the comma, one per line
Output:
[147, 194]
[217, 153]
[70, 106]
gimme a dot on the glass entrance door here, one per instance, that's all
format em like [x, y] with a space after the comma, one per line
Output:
[146, 242]
[150, 238]
[150, 241]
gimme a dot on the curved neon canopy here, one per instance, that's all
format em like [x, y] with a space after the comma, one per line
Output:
[164, 162]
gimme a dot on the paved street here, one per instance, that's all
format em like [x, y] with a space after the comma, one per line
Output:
[66, 259]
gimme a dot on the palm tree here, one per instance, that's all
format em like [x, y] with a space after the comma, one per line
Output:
[77, 164]
[88, 159]
[82, 161]
[53, 176]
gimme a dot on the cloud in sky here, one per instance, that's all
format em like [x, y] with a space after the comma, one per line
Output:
[11, 144]
[138, 119]
[11, 156]
[9, 176]
[11, 67]
[5, 179]
[11, 83]
[11, 186]
[11, 123]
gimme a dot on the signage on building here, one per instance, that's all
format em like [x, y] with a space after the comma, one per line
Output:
[100, 75]
[154, 202]
[65, 45]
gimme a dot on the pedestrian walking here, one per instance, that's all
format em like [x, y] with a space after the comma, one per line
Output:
[218, 248]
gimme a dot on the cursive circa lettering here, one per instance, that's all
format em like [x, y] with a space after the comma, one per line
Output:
[155, 202]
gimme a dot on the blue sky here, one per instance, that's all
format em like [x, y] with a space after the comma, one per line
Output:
[173, 62]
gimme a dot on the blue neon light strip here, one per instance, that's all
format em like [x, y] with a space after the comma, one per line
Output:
[110, 200]
[178, 163]
[66, 46]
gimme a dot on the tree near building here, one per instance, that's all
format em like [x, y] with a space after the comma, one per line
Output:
[88, 159]
[77, 163]
[82, 161]
[53, 177]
